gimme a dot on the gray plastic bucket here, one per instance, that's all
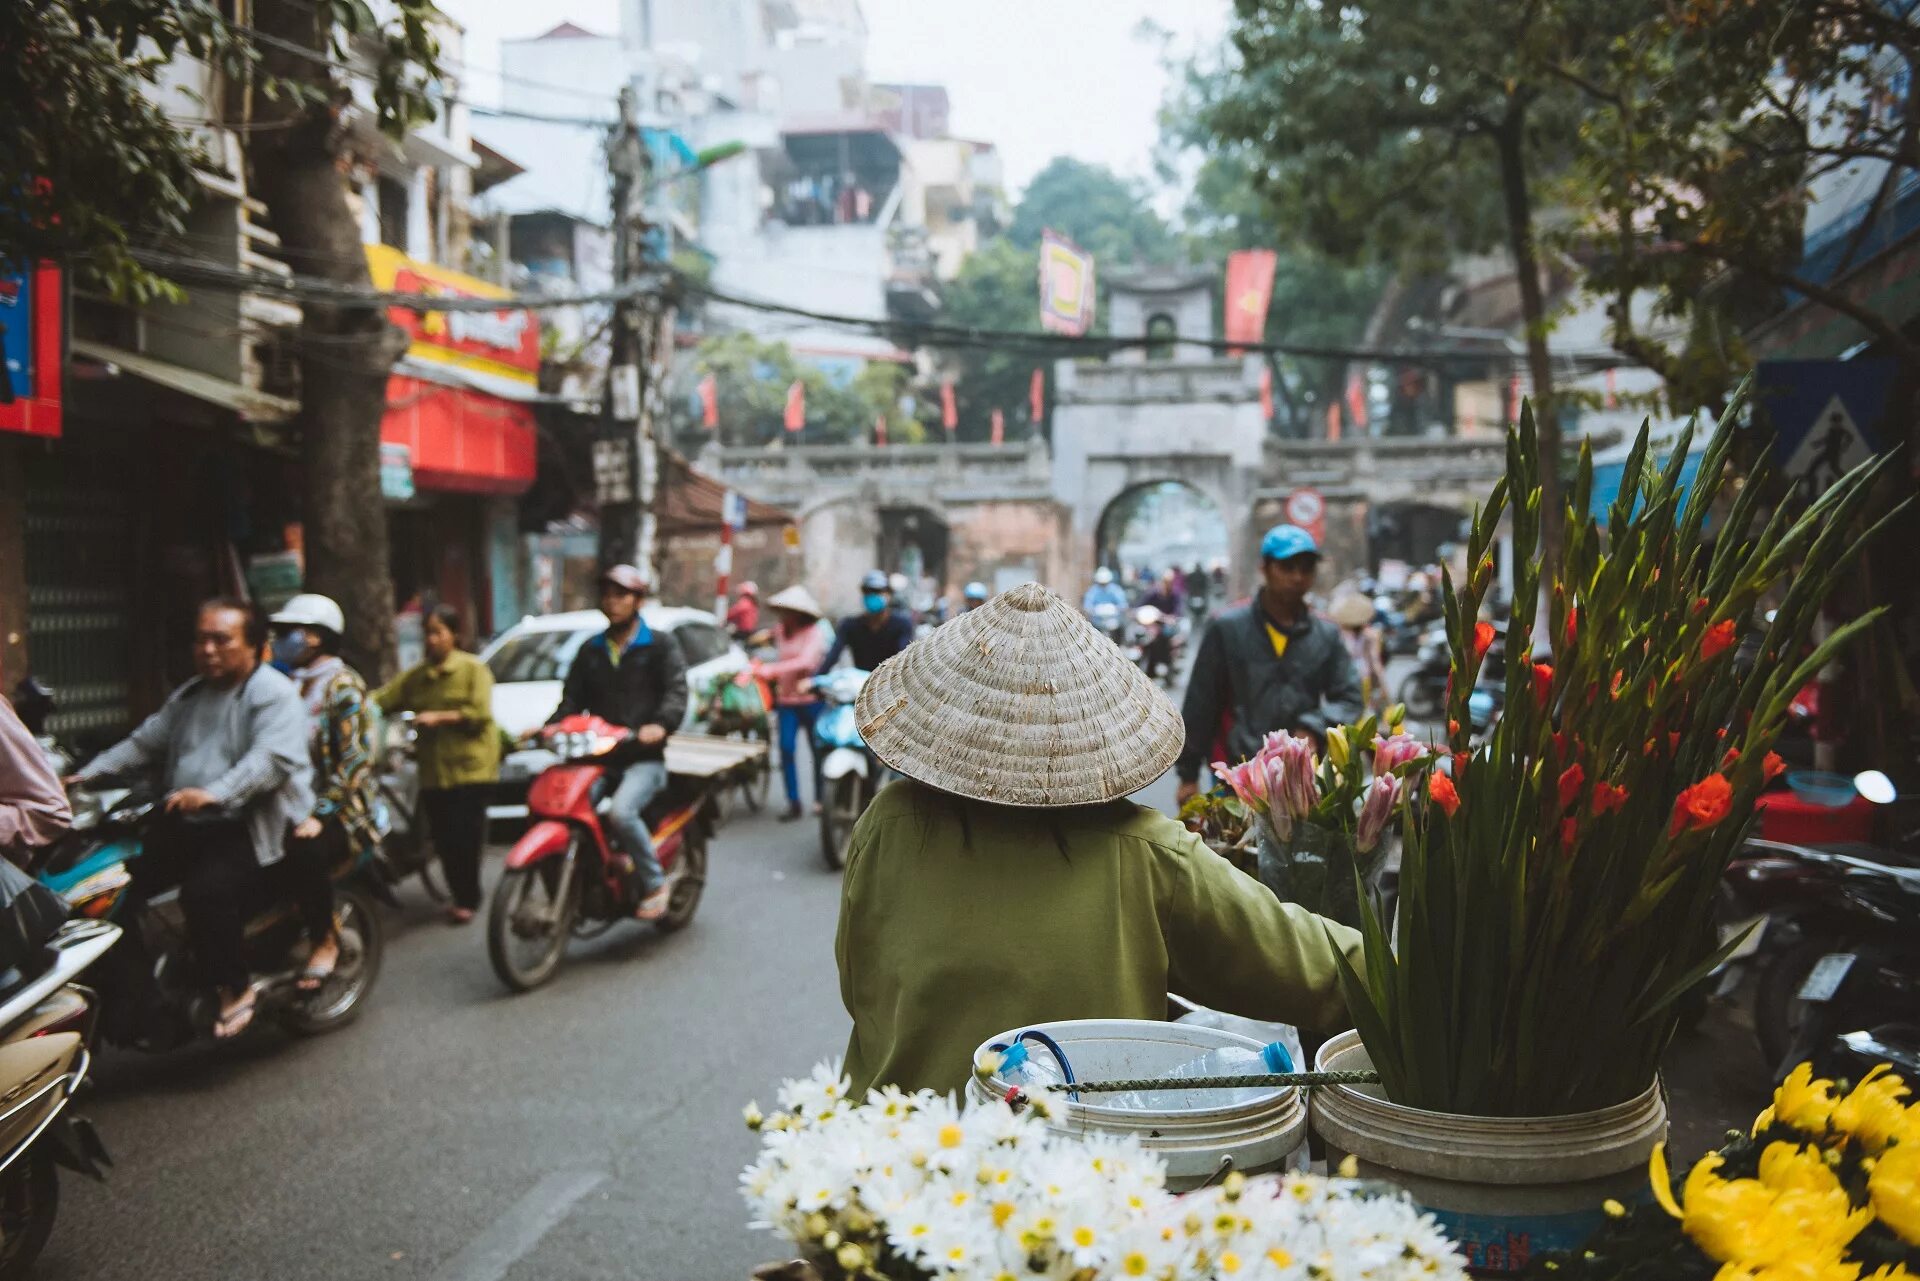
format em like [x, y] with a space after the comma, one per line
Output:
[1267, 1132]
[1506, 1189]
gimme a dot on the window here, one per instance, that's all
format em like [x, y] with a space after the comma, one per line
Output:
[701, 642]
[393, 212]
[536, 656]
[1161, 331]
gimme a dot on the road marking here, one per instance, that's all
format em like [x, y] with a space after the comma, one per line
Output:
[511, 1236]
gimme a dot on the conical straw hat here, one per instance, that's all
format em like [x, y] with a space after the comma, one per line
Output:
[1020, 702]
[798, 599]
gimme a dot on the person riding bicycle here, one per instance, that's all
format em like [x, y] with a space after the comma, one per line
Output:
[875, 634]
[636, 678]
[230, 747]
[340, 830]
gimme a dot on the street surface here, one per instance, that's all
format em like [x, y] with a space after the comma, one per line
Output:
[587, 1131]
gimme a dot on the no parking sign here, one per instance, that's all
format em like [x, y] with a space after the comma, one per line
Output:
[1307, 509]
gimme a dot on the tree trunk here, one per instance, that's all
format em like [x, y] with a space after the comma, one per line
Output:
[1510, 142]
[346, 354]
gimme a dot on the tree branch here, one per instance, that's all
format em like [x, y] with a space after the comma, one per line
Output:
[1827, 296]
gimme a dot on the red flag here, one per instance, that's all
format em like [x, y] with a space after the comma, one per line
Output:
[1357, 400]
[1333, 421]
[999, 427]
[1613, 389]
[880, 430]
[1266, 393]
[1513, 399]
[1037, 397]
[1249, 291]
[949, 411]
[709, 402]
[796, 406]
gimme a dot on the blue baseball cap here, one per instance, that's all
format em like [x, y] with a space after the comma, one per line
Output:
[1284, 542]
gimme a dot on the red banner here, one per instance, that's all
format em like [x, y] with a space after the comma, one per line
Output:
[1249, 292]
[949, 409]
[796, 406]
[880, 430]
[1357, 401]
[709, 402]
[1266, 393]
[1037, 397]
[31, 351]
[999, 427]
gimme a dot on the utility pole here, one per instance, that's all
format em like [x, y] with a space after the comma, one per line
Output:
[627, 526]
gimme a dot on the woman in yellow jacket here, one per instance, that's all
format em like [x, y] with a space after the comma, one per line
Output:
[458, 751]
[1007, 880]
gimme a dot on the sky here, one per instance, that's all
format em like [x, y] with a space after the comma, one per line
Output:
[1038, 78]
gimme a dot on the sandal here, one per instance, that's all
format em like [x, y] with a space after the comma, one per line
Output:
[235, 1021]
[654, 906]
[315, 976]
[459, 915]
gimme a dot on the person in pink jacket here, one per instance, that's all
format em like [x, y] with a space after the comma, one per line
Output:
[33, 805]
[802, 643]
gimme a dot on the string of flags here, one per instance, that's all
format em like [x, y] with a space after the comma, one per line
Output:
[794, 415]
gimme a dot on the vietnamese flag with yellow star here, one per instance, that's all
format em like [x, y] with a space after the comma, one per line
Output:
[1249, 291]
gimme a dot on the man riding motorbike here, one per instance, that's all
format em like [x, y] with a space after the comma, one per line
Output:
[1267, 665]
[875, 634]
[1103, 592]
[634, 678]
[306, 637]
[230, 747]
[973, 597]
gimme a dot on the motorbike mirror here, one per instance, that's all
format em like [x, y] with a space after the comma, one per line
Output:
[1875, 786]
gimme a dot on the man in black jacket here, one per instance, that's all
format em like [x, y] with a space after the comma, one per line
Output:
[1267, 665]
[633, 677]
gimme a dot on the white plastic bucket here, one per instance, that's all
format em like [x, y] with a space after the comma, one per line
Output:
[1197, 1144]
[1506, 1189]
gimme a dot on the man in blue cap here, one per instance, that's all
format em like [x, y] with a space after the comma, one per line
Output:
[1267, 665]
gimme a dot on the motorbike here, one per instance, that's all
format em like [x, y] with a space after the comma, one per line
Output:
[849, 773]
[1424, 689]
[565, 879]
[403, 849]
[46, 1029]
[1158, 644]
[152, 995]
[1110, 621]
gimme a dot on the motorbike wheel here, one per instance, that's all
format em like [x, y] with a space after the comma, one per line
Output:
[690, 882]
[531, 919]
[1422, 700]
[29, 1200]
[846, 798]
[363, 945]
[757, 785]
[1778, 1011]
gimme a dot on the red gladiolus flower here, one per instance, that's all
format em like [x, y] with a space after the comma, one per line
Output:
[1619, 679]
[1460, 764]
[1607, 797]
[1569, 835]
[1542, 682]
[1560, 743]
[1731, 755]
[1453, 727]
[1772, 767]
[1700, 606]
[1441, 789]
[1717, 641]
[1482, 639]
[1573, 625]
[1702, 805]
[1571, 780]
[1673, 742]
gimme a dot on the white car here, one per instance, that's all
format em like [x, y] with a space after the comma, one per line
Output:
[529, 662]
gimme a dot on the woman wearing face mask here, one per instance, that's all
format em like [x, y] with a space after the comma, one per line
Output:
[451, 698]
[306, 638]
[875, 634]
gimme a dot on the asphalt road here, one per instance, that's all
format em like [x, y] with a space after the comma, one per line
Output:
[588, 1130]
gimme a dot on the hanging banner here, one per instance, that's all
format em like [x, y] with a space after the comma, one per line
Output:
[949, 408]
[1066, 285]
[880, 430]
[709, 403]
[796, 416]
[1249, 292]
[1037, 397]
[1357, 401]
[1266, 393]
[30, 351]
[999, 436]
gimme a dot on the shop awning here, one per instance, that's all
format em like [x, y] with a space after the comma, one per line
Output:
[252, 406]
[692, 502]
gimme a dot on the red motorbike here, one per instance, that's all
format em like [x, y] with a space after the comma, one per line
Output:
[565, 879]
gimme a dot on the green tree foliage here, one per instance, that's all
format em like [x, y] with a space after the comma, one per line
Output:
[751, 378]
[997, 289]
[1105, 214]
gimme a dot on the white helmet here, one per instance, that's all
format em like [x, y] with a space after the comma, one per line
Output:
[1103, 575]
[311, 610]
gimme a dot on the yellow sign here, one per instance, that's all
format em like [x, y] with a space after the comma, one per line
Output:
[504, 343]
[791, 537]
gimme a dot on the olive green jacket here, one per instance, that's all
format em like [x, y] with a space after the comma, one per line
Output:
[450, 755]
[960, 920]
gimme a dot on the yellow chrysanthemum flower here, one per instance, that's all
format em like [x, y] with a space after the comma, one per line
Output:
[1873, 1112]
[1788, 1165]
[1801, 1102]
[1894, 1189]
[1804, 1223]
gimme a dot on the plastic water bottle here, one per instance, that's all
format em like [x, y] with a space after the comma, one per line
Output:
[1228, 1060]
[1027, 1071]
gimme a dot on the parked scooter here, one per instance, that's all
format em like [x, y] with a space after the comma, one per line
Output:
[565, 879]
[46, 1027]
[849, 772]
[1424, 690]
[152, 994]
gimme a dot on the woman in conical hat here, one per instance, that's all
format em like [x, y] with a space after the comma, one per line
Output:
[1008, 880]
